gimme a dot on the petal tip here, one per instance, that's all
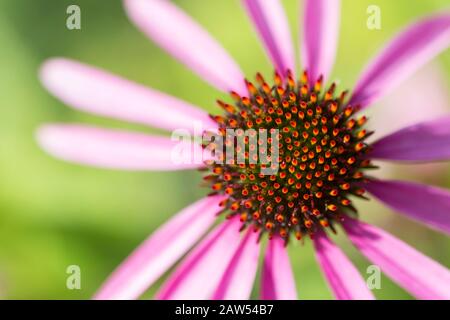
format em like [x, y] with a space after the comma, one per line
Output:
[51, 73]
[47, 137]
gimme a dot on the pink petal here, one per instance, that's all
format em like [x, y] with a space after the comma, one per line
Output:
[201, 272]
[404, 107]
[422, 97]
[187, 41]
[320, 34]
[426, 141]
[416, 273]
[96, 91]
[344, 279]
[160, 251]
[237, 281]
[113, 149]
[271, 23]
[426, 204]
[409, 50]
[278, 282]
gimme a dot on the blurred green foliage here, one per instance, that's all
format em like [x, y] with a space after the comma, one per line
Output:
[54, 214]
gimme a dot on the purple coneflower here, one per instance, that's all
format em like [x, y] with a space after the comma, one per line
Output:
[323, 151]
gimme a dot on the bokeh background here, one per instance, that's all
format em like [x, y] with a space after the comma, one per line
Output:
[54, 214]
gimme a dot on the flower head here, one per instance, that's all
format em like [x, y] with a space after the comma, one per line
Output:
[321, 150]
[319, 147]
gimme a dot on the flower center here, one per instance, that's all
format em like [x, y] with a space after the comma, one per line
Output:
[317, 153]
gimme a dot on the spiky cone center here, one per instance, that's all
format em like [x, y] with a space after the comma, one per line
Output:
[322, 157]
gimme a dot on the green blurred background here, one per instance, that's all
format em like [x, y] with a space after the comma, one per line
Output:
[54, 214]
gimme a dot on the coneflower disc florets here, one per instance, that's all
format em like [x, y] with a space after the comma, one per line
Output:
[321, 157]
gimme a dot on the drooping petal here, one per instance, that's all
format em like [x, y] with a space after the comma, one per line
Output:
[160, 251]
[200, 273]
[117, 149]
[271, 23]
[278, 281]
[320, 32]
[404, 107]
[343, 278]
[187, 41]
[406, 53]
[415, 272]
[237, 281]
[426, 204]
[426, 141]
[96, 91]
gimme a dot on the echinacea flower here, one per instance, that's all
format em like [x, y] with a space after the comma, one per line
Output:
[323, 157]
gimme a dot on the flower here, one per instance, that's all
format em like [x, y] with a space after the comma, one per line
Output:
[324, 157]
